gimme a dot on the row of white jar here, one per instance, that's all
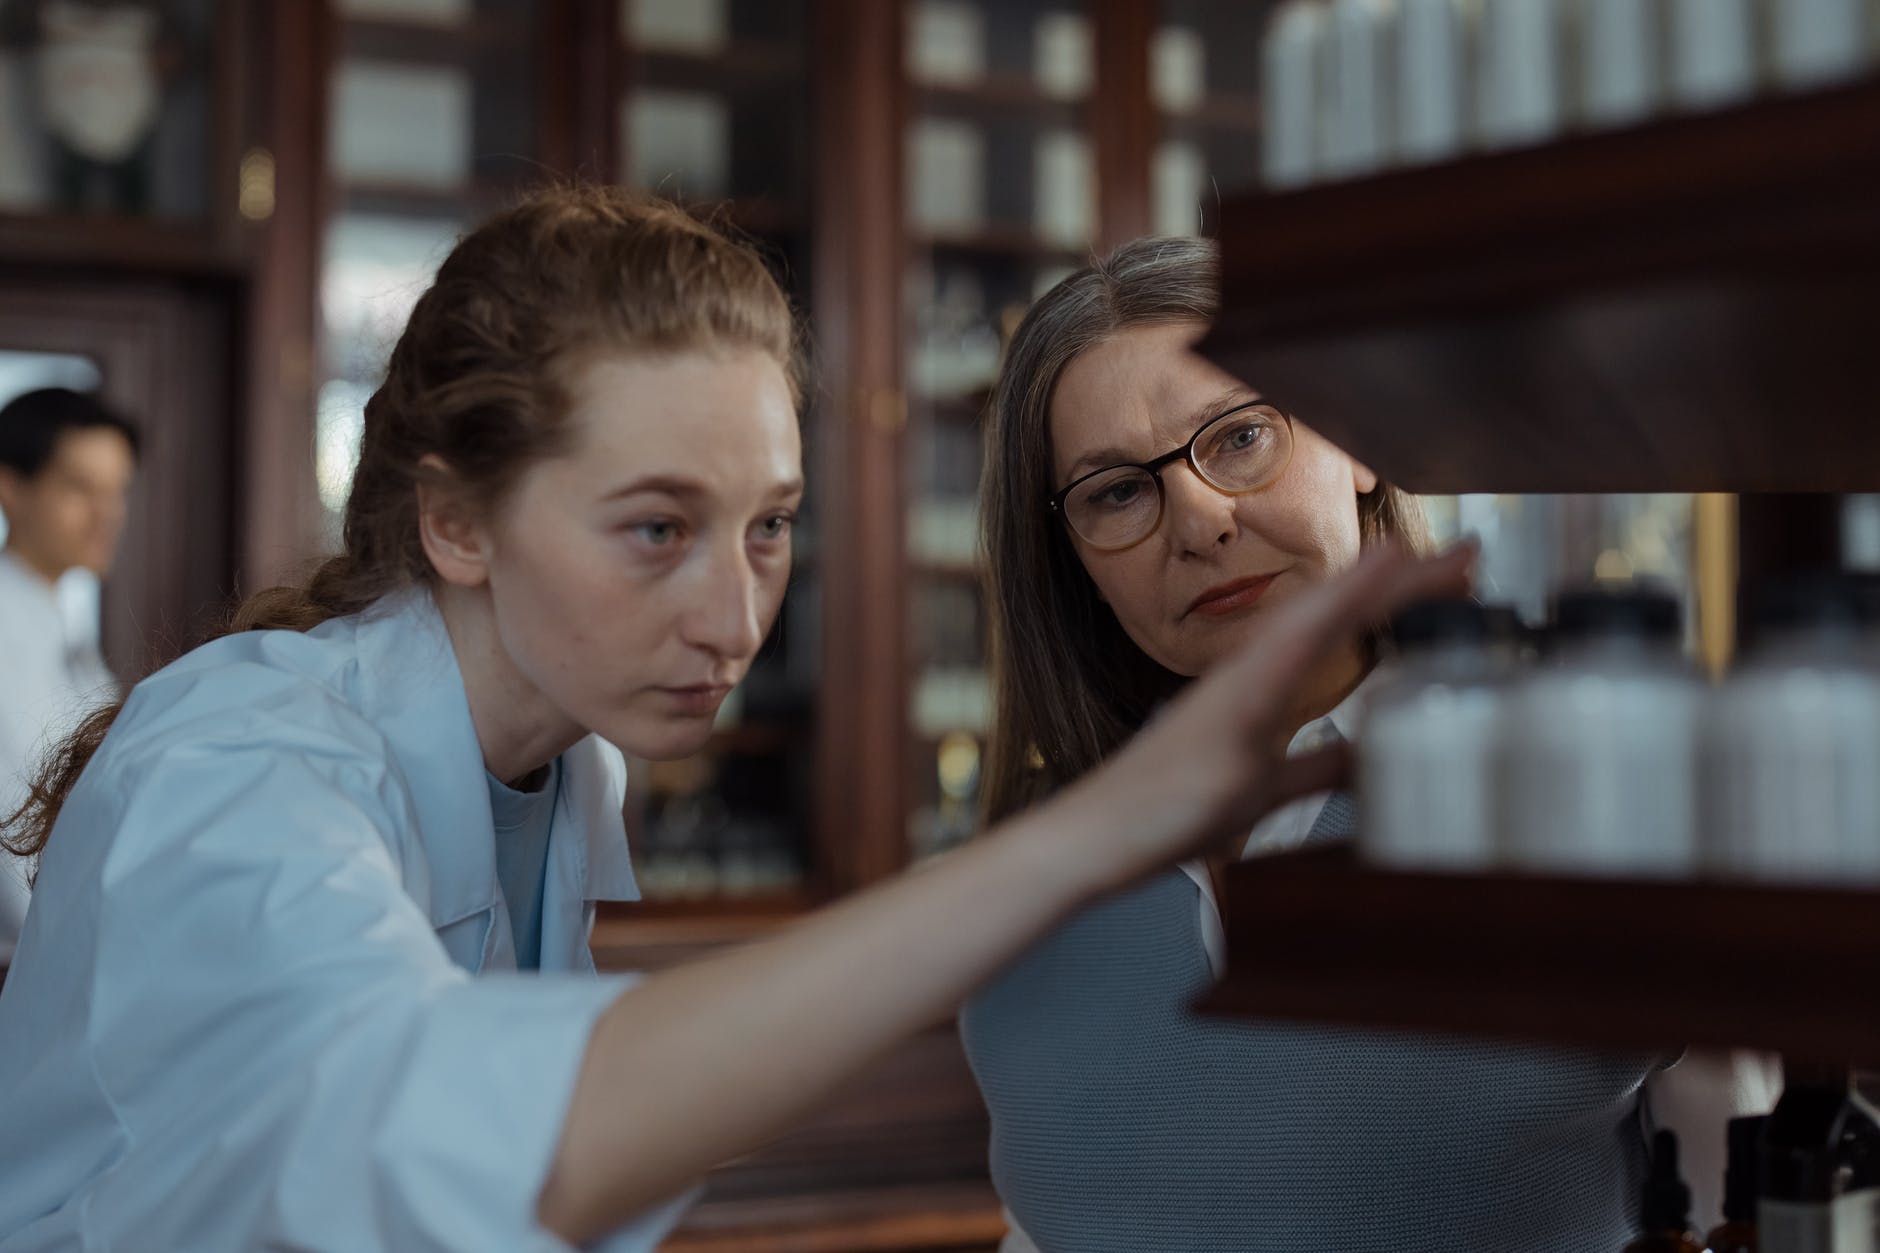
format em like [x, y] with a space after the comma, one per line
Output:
[1610, 754]
[1352, 86]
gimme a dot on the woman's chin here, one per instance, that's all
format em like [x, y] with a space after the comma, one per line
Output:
[663, 739]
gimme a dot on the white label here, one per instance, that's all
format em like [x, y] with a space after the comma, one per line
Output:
[1850, 1224]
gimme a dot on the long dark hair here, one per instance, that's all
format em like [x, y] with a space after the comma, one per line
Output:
[478, 380]
[1069, 684]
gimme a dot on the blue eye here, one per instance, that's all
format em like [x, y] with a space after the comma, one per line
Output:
[775, 528]
[1117, 495]
[658, 533]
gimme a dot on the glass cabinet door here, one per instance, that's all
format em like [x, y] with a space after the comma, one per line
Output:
[1001, 204]
[714, 111]
[110, 108]
[433, 121]
[1204, 86]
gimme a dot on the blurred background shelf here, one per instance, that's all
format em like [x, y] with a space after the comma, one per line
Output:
[1684, 306]
[999, 243]
[119, 243]
[998, 100]
[739, 69]
[1613, 964]
[437, 43]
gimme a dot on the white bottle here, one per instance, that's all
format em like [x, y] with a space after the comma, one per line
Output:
[1431, 80]
[1519, 96]
[1289, 82]
[1792, 747]
[1357, 128]
[1618, 61]
[1598, 756]
[1426, 746]
[1819, 41]
[1713, 51]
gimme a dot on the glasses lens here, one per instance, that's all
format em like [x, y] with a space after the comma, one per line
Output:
[1245, 449]
[1115, 508]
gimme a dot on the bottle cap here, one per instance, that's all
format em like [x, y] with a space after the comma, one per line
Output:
[1741, 1178]
[1633, 612]
[1825, 600]
[1667, 1201]
[1430, 622]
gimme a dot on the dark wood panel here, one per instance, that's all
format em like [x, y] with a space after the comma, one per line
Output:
[164, 351]
[1124, 119]
[100, 243]
[1609, 963]
[279, 511]
[1682, 307]
[999, 100]
[896, 1161]
[859, 253]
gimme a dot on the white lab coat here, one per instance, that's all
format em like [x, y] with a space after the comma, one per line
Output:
[266, 995]
[51, 676]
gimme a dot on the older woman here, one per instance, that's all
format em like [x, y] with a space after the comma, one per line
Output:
[1145, 514]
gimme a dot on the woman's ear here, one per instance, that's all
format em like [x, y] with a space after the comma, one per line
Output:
[453, 534]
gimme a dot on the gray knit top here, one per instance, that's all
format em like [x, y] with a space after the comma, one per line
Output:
[1123, 1123]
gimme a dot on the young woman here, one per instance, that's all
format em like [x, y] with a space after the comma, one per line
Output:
[1147, 519]
[244, 1010]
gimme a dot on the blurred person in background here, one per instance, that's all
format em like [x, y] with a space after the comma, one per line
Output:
[66, 463]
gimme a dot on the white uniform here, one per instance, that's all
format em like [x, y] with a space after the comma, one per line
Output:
[50, 676]
[266, 996]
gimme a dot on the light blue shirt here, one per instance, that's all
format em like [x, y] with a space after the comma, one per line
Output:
[523, 821]
[266, 995]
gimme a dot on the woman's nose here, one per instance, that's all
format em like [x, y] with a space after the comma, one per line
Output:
[1198, 516]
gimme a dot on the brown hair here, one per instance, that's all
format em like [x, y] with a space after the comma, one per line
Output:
[1069, 684]
[479, 379]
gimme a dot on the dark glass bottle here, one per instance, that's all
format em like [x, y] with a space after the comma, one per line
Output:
[1737, 1232]
[1820, 1188]
[1666, 1213]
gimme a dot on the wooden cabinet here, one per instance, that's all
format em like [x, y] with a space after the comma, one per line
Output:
[1685, 305]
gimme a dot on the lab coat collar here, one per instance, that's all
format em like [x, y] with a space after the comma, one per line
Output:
[412, 690]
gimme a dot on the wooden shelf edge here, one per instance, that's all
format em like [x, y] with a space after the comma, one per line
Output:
[1317, 936]
[1675, 307]
[876, 1220]
[1003, 243]
[109, 241]
[1000, 99]
[736, 69]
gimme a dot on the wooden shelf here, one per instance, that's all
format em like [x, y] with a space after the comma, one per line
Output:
[1317, 936]
[1221, 112]
[969, 410]
[956, 1218]
[999, 243]
[738, 69]
[655, 934]
[949, 571]
[429, 43]
[756, 739]
[111, 242]
[999, 100]
[419, 200]
[1685, 306]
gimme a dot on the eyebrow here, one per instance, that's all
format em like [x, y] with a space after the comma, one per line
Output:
[679, 485]
[1233, 398]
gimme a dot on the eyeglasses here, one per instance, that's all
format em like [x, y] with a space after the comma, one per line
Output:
[1240, 451]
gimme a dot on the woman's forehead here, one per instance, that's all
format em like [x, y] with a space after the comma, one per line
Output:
[1139, 388]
